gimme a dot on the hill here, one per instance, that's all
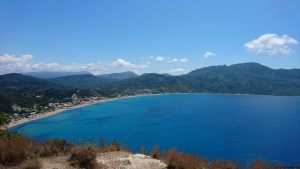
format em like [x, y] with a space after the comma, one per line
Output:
[113, 77]
[26, 91]
[245, 78]
[92, 81]
[79, 81]
[53, 74]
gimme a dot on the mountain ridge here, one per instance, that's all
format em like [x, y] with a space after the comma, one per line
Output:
[242, 78]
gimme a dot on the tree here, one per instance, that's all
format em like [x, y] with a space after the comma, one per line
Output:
[4, 120]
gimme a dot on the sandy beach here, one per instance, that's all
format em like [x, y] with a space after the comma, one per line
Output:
[50, 113]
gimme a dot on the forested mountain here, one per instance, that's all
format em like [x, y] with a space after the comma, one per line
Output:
[46, 75]
[245, 78]
[113, 77]
[25, 91]
[79, 81]
[92, 81]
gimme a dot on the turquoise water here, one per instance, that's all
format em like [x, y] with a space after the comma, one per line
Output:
[237, 127]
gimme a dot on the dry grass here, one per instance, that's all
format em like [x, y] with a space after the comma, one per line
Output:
[155, 152]
[178, 160]
[223, 164]
[31, 164]
[54, 147]
[84, 157]
[110, 147]
[15, 150]
[260, 164]
[18, 151]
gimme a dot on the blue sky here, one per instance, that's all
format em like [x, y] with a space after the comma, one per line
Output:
[104, 36]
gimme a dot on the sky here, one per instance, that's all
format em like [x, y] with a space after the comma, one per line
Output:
[161, 36]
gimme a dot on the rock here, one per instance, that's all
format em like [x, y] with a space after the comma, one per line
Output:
[126, 160]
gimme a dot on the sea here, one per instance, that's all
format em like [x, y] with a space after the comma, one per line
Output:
[243, 128]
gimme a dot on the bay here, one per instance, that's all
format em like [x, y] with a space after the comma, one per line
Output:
[218, 126]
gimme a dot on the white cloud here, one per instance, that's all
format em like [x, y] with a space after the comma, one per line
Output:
[169, 59]
[123, 63]
[172, 60]
[209, 54]
[176, 71]
[6, 58]
[179, 60]
[182, 60]
[159, 58]
[126, 64]
[271, 44]
[24, 63]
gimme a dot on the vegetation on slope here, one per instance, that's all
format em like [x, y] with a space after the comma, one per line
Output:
[246, 78]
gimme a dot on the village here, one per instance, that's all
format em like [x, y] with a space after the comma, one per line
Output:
[31, 112]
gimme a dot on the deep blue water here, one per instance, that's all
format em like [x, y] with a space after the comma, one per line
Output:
[217, 126]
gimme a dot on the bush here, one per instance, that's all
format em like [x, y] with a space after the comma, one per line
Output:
[54, 147]
[223, 164]
[31, 164]
[15, 150]
[259, 164]
[155, 152]
[178, 160]
[4, 120]
[114, 146]
[84, 157]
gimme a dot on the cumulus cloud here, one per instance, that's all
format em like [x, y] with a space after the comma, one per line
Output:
[24, 63]
[209, 54]
[176, 71]
[271, 44]
[182, 60]
[126, 64]
[159, 58]
[6, 58]
[179, 60]
[169, 59]
[123, 63]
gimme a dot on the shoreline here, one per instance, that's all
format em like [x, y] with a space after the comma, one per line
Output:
[51, 113]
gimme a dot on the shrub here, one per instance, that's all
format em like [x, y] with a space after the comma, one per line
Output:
[114, 146]
[84, 157]
[15, 150]
[223, 164]
[259, 164]
[54, 147]
[31, 164]
[4, 120]
[178, 160]
[155, 152]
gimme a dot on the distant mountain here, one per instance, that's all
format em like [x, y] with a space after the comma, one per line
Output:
[151, 82]
[113, 77]
[91, 81]
[46, 75]
[245, 78]
[79, 81]
[16, 81]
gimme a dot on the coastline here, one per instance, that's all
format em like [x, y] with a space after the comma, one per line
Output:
[51, 113]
